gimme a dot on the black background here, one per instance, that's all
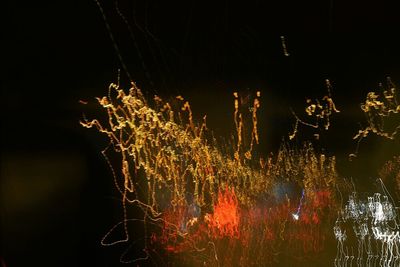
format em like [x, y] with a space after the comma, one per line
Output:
[57, 197]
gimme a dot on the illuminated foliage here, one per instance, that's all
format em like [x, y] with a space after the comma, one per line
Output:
[197, 198]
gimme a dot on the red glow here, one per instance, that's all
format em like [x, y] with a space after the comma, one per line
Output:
[231, 226]
[225, 219]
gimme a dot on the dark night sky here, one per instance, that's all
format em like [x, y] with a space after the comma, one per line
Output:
[56, 192]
